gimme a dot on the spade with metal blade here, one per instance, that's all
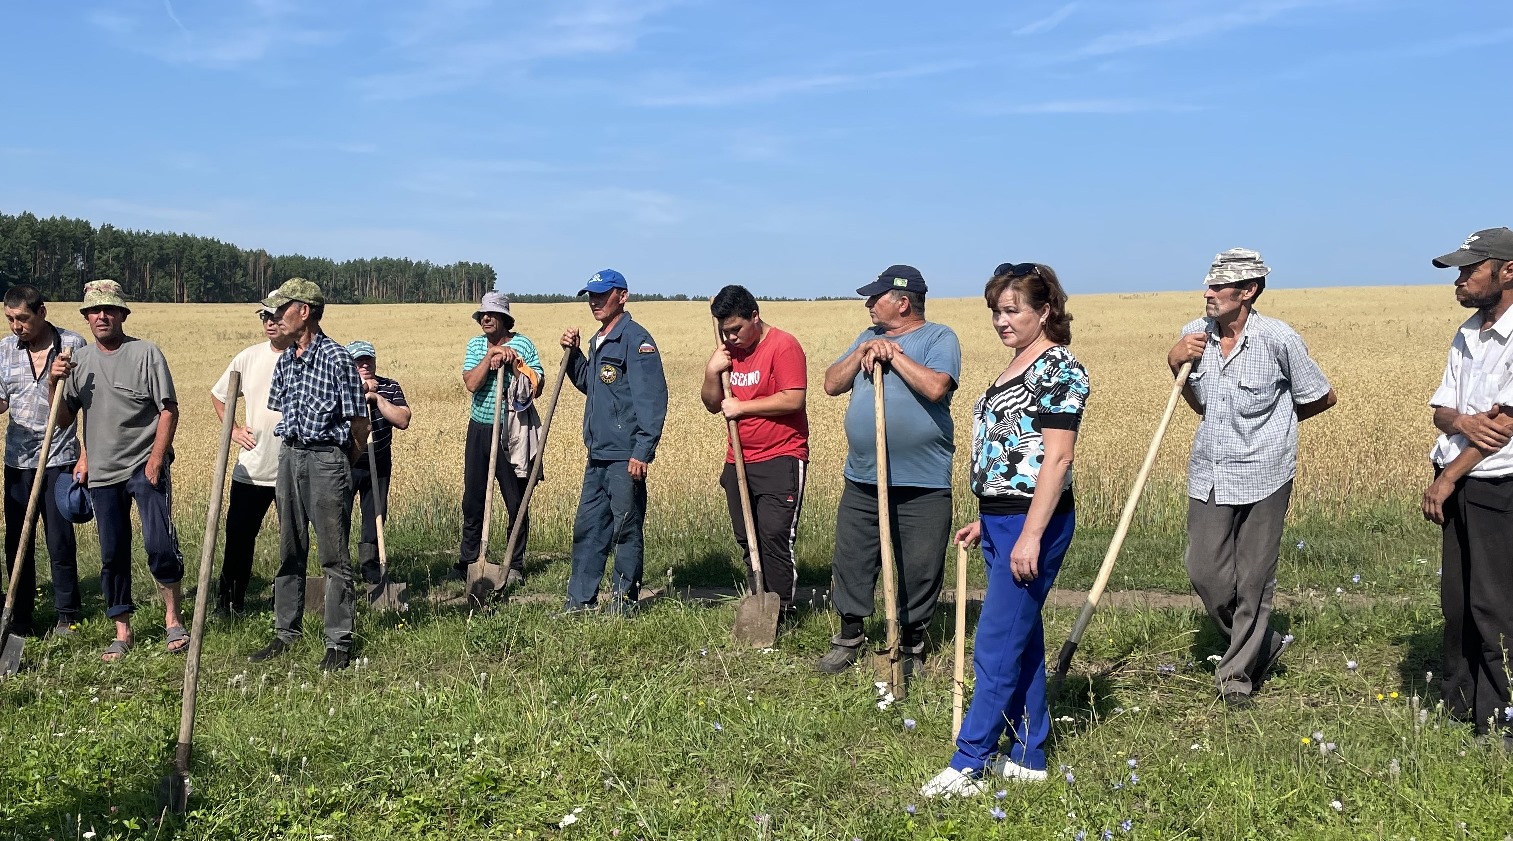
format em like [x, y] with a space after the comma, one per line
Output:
[517, 528]
[15, 645]
[756, 616]
[483, 578]
[386, 594]
[173, 790]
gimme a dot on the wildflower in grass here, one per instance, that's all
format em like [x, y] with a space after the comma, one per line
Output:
[1326, 748]
[1106, 834]
[1303, 741]
[1355, 579]
[90, 834]
[1394, 768]
[1380, 696]
[567, 821]
[718, 727]
[1070, 778]
[1080, 836]
[1126, 824]
[1337, 805]
[998, 814]
[1288, 638]
[1339, 590]
[703, 652]
[1001, 794]
[1118, 786]
[1300, 544]
[1350, 665]
[911, 809]
[910, 723]
[1133, 763]
[1318, 736]
[1134, 779]
[1166, 669]
[1507, 714]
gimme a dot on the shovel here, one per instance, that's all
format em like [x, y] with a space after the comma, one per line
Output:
[892, 653]
[1064, 660]
[958, 665]
[386, 594]
[534, 475]
[756, 616]
[173, 790]
[10, 656]
[483, 578]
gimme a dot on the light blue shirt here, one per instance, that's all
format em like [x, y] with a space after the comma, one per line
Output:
[921, 436]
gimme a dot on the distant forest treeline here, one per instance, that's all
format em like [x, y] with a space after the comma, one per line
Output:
[59, 255]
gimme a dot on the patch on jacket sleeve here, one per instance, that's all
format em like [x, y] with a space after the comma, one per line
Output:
[647, 347]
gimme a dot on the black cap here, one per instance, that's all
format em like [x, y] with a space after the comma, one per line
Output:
[902, 278]
[1491, 244]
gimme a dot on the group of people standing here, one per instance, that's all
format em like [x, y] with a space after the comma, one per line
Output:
[312, 404]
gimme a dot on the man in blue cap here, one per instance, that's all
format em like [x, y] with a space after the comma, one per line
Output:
[621, 376]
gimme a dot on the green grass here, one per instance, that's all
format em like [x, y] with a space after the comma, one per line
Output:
[499, 724]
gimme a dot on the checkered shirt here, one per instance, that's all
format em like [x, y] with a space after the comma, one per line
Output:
[1247, 443]
[318, 393]
[30, 401]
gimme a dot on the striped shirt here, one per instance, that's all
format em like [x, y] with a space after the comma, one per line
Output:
[318, 393]
[1247, 443]
[30, 400]
[1008, 446]
[483, 398]
[383, 430]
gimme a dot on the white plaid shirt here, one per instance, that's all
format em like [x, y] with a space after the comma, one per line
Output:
[30, 401]
[1247, 443]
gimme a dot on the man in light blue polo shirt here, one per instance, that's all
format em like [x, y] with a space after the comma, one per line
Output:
[921, 362]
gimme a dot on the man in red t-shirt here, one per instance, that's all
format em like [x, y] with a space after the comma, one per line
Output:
[768, 379]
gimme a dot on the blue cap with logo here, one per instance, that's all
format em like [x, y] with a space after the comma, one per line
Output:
[902, 278]
[603, 281]
[73, 499]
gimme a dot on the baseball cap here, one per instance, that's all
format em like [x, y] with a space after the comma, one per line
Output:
[496, 303]
[73, 499]
[900, 277]
[1236, 265]
[295, 289]
[603, 281]
[360, 348]
[1490, 244]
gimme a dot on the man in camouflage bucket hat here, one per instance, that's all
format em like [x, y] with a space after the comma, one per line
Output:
[1252, 381]
[324, 429]
[131, 412]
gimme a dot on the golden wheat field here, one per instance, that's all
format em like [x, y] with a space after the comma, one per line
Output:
[1382, 348]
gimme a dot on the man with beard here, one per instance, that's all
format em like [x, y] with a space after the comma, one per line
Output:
[1472, 492]
[1252, 382]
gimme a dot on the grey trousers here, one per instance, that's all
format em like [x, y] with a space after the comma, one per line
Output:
[1232, 555]
[921, 520]
[314, 490]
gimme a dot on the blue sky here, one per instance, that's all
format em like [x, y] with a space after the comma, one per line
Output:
[798, 148]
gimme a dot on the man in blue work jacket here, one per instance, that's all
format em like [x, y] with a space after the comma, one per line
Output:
[622, 422]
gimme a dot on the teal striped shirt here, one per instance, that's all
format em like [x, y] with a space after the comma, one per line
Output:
[483, 398]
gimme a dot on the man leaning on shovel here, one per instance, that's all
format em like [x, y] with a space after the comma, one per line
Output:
[26, 356]
[922, 362]
[324, 428]
[387, 411]
[131, 412]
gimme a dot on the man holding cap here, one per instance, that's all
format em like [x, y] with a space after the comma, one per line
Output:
[130, 415]
[921, 362]
[1252, 382]
[621, 376]
[1472, 492]
[324, 428]
[256, 472]
[26, 356]
[387, 411]
[500, 351]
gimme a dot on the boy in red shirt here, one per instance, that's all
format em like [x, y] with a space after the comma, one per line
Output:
[768, 379]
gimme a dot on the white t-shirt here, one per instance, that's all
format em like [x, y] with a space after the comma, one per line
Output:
[259, 465]
[1478, 375]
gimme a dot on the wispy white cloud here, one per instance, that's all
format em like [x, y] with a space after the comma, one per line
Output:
[1048, 22]
[777, 87]
[1081, 106]
[234, 34]
[1192, 28]
[168, 7]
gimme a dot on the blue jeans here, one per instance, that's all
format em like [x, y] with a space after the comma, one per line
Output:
[611, 516]
[1008, 651]
[113, 519]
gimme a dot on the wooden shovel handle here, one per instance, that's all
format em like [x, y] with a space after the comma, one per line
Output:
[29, 525]
[885, 535]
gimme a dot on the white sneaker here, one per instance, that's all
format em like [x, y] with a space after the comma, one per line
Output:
[953, 783]
[1011, 770]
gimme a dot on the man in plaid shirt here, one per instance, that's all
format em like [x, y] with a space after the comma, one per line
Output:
[1252, 381]
[324, 428]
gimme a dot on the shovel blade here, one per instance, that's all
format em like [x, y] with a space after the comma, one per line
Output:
[10, 657]
[173, 793]
[315, 594]
[389, 595]
[485, 580]
[756, 620]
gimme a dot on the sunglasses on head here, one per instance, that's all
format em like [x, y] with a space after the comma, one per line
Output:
[1016, 269]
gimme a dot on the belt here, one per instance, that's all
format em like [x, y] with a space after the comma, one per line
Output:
[311, 445]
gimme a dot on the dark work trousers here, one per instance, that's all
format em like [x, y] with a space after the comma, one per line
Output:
[921, 520]
[113, 519]
[1008, 651]
[245, 511]
[62, 551]
[314, 491]
[1474, 585]
[611, 517]
[1232, 560]
[777, 496]
[371, 503]
[475, 468]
